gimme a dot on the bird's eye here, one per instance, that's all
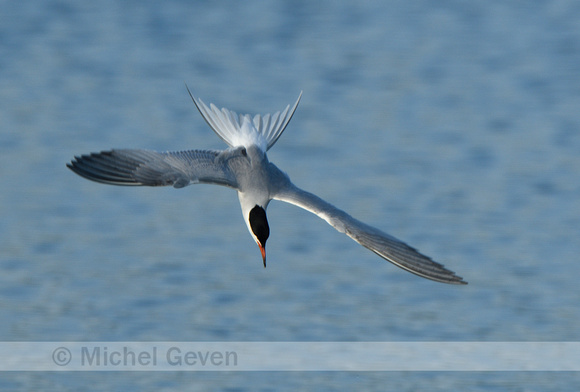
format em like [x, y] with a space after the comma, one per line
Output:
[244, 152]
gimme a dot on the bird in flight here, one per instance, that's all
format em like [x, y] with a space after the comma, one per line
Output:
[245, 167]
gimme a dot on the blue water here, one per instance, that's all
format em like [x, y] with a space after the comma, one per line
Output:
[455, 127]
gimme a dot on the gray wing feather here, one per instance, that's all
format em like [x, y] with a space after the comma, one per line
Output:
[151, 168]
[384, 245]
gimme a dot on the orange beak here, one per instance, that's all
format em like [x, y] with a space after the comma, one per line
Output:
[263, 251]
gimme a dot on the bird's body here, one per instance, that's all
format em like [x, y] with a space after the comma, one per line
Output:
[244, 166]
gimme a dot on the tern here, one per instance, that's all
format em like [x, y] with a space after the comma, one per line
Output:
[245, 167]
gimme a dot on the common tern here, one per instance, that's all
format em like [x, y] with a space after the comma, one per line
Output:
[245, 167]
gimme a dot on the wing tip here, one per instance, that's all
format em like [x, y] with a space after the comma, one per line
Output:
[445, 276]
[93, 167]
[458, 280]
[427, 268]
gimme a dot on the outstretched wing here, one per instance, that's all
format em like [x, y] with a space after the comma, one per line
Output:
[144, 167]
[386, 246]
[228, 125]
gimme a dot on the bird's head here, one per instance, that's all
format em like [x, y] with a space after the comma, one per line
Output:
[258, 225]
